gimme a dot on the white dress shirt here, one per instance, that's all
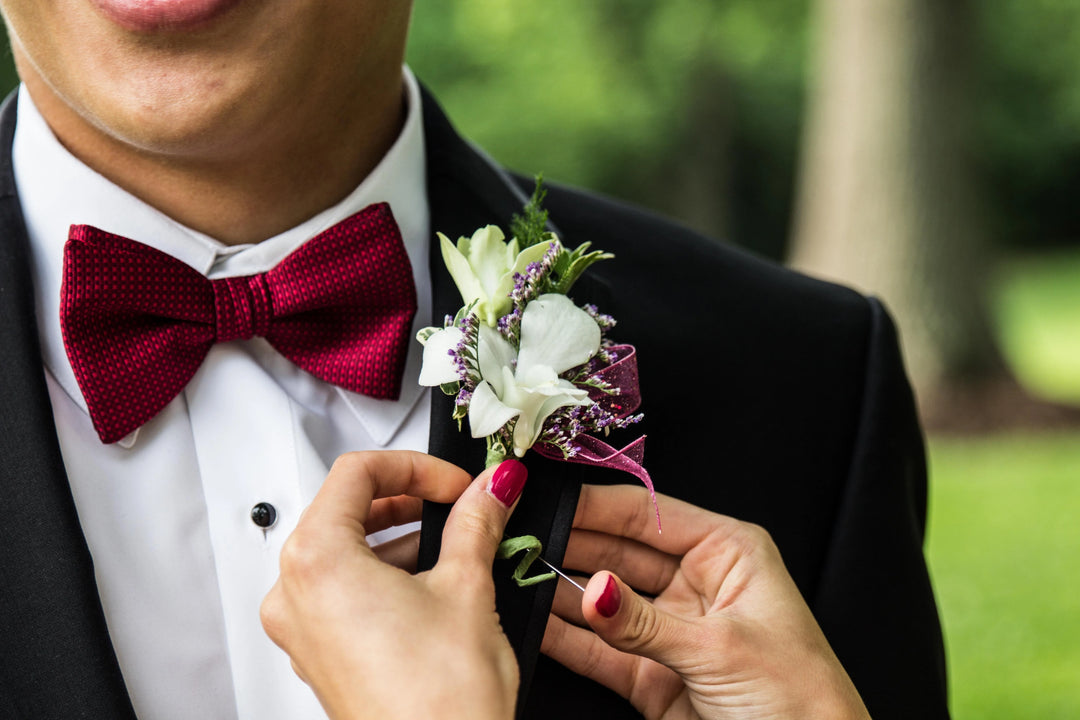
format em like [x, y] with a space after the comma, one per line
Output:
[181, 568]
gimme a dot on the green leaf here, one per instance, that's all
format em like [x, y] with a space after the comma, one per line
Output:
[578, 261]
[530, 227]
[496, 451]
[460, 413]
[423, 334]
[462, 312]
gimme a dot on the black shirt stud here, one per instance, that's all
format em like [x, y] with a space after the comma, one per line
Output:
[264, 515]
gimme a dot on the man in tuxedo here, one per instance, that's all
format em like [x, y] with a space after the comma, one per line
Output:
[224, 134]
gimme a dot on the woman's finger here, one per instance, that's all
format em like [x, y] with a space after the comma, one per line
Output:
[645, 568]
[626, 511]
[358, 478]
[393, 512]
[629, 622]
[582, 652]
[476, 523]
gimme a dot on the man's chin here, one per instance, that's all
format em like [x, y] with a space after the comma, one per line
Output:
[184, 129]
[156, 16]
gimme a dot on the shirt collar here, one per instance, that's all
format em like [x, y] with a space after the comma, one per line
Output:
[57, 190]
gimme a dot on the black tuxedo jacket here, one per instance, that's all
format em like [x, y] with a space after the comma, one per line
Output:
[768, 396]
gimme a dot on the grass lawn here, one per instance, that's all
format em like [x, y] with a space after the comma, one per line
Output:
[1004, 530]
[1004, 551]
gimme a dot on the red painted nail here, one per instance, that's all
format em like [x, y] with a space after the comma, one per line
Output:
[608, 602]
[508, 481]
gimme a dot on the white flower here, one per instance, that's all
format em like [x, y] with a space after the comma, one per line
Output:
[483, 269]
[556, 336]
[438, 367]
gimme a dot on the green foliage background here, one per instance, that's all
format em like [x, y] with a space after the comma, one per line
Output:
[623, 95]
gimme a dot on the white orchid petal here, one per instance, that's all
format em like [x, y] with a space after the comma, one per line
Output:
[562, 400]
[492, 309]
[519, 264]
[535, 375]
[512, 250]
[510, 392]
[486, 413]
[494, 354]
[438, 367]
[526, 433]
[468, 284]
[531, 254]
[563, 387]
[556, 333]
[542, 379]
[487, 256]
[524, 398]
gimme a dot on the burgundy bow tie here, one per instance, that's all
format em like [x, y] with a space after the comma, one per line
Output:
[137, 322]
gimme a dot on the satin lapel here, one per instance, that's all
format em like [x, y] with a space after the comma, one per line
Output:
[56, 659]
[466, 192]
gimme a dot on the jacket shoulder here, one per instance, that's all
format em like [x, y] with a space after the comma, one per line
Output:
[745, 366]
[690, 273]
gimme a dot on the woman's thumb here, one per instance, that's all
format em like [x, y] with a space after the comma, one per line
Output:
[478, 518]
[628, 622]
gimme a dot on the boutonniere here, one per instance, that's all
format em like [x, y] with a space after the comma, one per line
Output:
[529, 368]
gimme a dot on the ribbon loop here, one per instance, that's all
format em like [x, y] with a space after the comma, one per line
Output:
[621, 373]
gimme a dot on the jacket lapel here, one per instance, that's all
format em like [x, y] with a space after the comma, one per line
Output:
[467, 191]
[57, 659]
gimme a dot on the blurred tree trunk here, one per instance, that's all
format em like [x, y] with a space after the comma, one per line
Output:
[693, 182]
[887, 199]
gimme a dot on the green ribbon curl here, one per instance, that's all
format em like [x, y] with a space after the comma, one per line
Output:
[532, 547]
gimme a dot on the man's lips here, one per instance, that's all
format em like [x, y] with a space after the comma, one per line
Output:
[156, 15]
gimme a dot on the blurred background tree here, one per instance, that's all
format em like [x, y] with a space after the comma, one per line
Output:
[889, 160]
[612, 93]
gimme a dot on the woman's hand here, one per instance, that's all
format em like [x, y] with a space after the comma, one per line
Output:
[728, 634]
[374, 641]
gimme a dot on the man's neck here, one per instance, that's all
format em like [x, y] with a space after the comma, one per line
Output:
[251, 192]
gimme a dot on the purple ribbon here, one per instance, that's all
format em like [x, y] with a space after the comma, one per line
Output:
[621, 373]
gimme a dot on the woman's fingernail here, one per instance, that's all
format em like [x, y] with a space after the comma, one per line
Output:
[608, 602]
[508, 481]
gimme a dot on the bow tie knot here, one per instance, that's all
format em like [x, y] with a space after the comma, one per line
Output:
[243, 307]
[137, 322]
